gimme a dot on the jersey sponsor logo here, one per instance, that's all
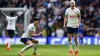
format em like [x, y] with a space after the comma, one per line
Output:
[72, 16]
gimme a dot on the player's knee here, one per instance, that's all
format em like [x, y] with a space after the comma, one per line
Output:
[75, 39]
[29, 42]
[69, 39]
[31, 45]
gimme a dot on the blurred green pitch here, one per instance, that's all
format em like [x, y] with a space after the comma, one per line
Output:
[52, 50]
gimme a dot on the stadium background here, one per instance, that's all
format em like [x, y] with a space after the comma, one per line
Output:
[51, 14]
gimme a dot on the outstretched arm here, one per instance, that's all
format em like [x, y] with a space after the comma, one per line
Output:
[3, 13]
[79, 18]
[31, 33]
[22, 14]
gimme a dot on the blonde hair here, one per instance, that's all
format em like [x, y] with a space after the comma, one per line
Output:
[72, 1]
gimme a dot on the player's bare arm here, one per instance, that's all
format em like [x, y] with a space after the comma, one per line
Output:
[3, 13]
[65, 21]
[31, 33]
[22, 14]
[79, 18]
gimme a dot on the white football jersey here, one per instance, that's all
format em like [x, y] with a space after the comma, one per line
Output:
[31, 27]
[72, 17]
[11, 22]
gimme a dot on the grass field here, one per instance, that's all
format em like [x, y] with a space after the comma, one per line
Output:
[51, 50]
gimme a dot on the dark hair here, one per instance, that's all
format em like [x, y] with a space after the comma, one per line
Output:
[12, 14]
[34, 19]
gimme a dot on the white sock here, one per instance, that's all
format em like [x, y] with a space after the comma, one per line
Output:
[76, 46]
[10, 42]
[70, 45]
[35, 47]
[26, 47]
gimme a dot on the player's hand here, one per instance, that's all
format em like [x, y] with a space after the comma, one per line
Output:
[64, 26]
[40, 34]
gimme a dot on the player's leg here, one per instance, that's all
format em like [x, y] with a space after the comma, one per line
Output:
[35, 46]
[69, 34]
[11, 35]
[28, 43]
[81, 38]
[76, 41]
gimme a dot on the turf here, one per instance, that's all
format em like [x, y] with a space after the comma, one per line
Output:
[52, 50]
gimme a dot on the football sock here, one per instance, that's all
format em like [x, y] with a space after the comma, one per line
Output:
[70, 45]
[35, 47]
[76, 46]
[10, 42]
[26, 47]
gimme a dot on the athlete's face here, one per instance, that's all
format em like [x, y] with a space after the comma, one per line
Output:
[72, 4]
[36, 22]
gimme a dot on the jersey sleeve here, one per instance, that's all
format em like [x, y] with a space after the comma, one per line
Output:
[7, 17]
[16, 17]
[66, 12]
[31, 28]
[78, 11]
